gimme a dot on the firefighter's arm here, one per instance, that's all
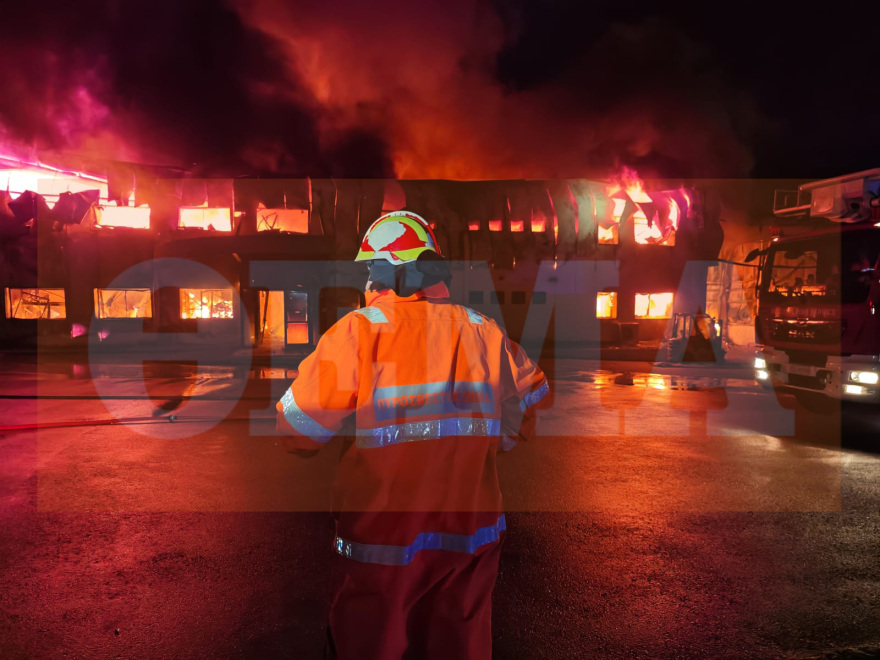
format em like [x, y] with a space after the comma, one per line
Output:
[524, 388]
[324, 393]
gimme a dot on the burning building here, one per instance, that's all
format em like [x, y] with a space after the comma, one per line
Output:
[149, 256]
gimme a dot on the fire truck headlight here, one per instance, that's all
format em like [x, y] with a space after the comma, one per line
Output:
[762, 375]
[866, 377]
[760, 363]
[854, 389]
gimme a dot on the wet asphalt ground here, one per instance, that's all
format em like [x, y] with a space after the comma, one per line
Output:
[681, 514]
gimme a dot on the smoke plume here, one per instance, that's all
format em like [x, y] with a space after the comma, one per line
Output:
[390, 88]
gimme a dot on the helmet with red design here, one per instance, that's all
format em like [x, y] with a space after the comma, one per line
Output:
[398, 237]
[401, 250]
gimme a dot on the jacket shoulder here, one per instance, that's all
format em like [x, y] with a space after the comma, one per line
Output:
[477, 318]
[373, 315]
[350, 323]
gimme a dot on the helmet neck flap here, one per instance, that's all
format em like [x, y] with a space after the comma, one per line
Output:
[408, 278]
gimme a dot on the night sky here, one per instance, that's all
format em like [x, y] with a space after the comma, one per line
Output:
[810, 76]
[531, 89]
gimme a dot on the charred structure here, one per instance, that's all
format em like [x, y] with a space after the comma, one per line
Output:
[86, 257]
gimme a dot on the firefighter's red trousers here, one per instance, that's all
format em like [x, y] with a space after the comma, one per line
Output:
[438, 606]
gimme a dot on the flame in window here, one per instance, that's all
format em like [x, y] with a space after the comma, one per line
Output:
[609, 231]
[606, 305]
[495, 225]
[608, 235]
[292, 220]
[135, 217]
[123, 303]
[206, 304]
[539, 222]
[205, 217]
[659, 229]
[35, 304]
[653, 305]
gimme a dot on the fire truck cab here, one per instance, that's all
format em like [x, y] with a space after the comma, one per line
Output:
[818, 294]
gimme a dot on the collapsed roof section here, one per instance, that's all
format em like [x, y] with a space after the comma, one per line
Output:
[486, 220]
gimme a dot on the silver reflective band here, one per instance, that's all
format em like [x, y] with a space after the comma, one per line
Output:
[534, 396]
[474, 317]
[437, 399]
[372, 314]
[401, 555]
[302, 422]
[429, 430]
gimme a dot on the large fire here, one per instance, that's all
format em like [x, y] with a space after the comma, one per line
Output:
[654, 305]
[18, 176]
[628, 192]
[114, 215]
[205, 217]
[206, 303]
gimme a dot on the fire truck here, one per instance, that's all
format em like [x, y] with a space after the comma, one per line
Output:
[818, 293]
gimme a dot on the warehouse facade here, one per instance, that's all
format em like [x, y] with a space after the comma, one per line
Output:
[151, 257]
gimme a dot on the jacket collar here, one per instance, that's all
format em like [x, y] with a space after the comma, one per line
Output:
[437, 291]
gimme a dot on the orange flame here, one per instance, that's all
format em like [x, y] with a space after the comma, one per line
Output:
[628, 180]
[674, 213]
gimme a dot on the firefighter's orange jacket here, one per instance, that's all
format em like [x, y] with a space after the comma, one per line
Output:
[430, 387]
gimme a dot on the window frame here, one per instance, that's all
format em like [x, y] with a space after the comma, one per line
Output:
[97, 295]
[201, 291]
[9, 306]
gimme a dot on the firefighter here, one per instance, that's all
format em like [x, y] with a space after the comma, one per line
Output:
[434, 390]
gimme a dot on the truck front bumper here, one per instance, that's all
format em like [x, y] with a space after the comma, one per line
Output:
[843, 377]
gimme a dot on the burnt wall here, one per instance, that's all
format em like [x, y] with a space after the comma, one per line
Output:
[507, 228]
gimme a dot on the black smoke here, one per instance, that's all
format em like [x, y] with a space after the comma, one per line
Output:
[185, 83]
